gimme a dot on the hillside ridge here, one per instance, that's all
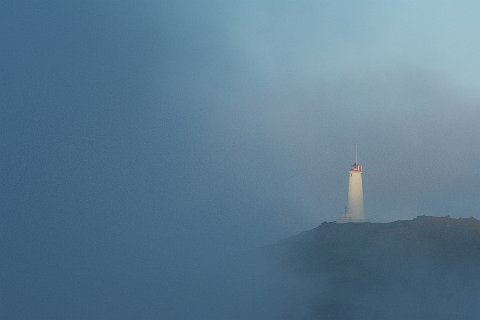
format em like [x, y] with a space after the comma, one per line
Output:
[429, 264]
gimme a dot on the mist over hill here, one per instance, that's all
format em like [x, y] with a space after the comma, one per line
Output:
[425, 268]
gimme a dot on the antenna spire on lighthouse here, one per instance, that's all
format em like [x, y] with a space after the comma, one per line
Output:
[356, 154]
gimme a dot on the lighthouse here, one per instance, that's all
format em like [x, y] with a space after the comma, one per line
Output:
[354, 210]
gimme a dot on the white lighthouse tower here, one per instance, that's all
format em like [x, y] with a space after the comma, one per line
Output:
[354, 211]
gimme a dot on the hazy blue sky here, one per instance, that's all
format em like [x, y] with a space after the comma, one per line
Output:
[140, 136]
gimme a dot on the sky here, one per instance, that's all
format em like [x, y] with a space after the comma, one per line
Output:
[139, 137]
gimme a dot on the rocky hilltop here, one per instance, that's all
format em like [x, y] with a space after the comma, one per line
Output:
[425, 268]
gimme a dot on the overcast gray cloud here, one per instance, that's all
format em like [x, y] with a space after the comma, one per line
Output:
[142, 141]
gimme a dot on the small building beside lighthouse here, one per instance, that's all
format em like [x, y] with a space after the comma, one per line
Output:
[354, 210]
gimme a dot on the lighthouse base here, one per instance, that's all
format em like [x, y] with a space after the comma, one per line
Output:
[351, 220]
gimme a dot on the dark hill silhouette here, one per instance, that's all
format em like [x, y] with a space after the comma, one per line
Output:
[425, 268]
